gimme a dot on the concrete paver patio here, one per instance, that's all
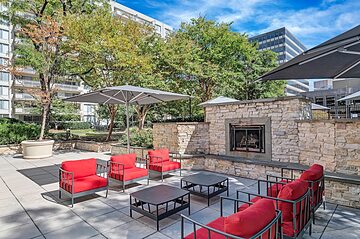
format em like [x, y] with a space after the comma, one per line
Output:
[30, 208]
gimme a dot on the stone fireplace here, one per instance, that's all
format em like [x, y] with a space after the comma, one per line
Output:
[248, 137]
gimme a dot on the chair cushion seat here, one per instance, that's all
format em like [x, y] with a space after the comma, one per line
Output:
[80, 168]
[202, 233]
[165, 166]
[85, 183]
[128, 160]
[129, 174]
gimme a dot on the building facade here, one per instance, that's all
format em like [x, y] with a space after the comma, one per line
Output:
[286, 46]
[15, 102]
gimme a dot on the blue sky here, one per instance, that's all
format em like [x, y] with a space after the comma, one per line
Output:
[312, 21]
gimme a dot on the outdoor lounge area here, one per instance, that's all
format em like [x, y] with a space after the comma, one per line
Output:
[31, 207]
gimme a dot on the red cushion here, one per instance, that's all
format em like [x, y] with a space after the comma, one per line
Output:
[80, 168]
[128, 160]
[165, 166]
[274, 190]
[130, 174]
[85, 183]
[245, 205]
[291, 191]
[315, 172]
[288, 227]
[158, 155]
[203, 233]
[252, 220]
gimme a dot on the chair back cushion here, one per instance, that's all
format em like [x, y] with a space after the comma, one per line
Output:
[128, 160]
[315, 172]
[250, 221]
[158, 155]
[291, 191]
[80, 168]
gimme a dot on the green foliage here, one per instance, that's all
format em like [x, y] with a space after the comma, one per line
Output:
[64, 111]
[74, 125]
[13, 131]
[139, 138]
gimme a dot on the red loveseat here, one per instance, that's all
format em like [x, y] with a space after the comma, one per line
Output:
[293, 200]
[258, 220]
[124, 170]
[78, 178]
[161, 163]
[315, 178]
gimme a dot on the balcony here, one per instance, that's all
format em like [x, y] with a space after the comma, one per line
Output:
[27, 83]
[23, 96]
[24, 110]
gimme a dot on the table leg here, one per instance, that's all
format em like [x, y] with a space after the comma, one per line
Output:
[208, 193]
[157, 219]
[227, 187]
[130, 207]
[189, 202]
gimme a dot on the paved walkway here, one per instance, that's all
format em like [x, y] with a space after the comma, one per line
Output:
[29, 207]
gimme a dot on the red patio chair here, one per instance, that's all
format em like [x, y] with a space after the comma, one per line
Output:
[293, 200]
[161, 163]
[78, 178]
[259, 220]
[124, 170]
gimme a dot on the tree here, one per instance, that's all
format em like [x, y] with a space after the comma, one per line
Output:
[107, 51]
[41, 43]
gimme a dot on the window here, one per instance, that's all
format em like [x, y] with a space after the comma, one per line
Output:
[4, 48]
[4, 104]
[4, 34]
[4, 90]
[89, 109]
[330, 101]
[319, 100]
[4, 76]
[4, 61]
[158, 28]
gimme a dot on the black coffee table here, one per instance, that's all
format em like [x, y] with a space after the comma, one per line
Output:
[159, 202]
[205, 185]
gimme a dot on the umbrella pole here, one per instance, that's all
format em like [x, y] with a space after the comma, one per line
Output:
[127, 126]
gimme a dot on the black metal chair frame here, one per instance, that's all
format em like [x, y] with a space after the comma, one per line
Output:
[197, 225]
[159, 161]
[320, 198]
[121, 167]
[305, 218]
[65, 177]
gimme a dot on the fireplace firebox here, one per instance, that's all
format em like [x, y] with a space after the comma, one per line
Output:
[247, 138]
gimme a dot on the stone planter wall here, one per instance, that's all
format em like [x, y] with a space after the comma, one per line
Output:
[93, 146]
[117, 149]
[343, 193]
[185, 138]
[332, 143]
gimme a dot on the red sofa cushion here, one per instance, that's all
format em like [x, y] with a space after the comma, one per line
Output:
[291, 191]
[80, 168]
[245, 205]
[130, 174]
[248, 222]
[128, 160]
[165, 166]
[203, 233]
[85, 183]
[274, 190]
[158, 155]
[315, 172]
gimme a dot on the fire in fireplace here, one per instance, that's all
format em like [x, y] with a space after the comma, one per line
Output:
[248, 138]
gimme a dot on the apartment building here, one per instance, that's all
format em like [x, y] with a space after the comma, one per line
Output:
[15, 102]
[286, 46]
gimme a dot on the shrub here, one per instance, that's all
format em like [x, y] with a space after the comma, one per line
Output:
[14, 131]
[70, 125]
[139, 138]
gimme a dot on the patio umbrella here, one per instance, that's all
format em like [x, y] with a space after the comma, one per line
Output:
[338, 57]
[352, 96]
[127, 95]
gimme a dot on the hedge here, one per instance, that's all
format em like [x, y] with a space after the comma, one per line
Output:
[70, 125]
[14, 131]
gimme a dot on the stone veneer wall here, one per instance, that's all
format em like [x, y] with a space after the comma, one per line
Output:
[185, 138]
[343, 193]
[332, 143]
[282, 112]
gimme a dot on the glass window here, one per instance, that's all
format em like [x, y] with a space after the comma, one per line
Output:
[319, 100]
[4, 48]
[4, 34]
[158, 28]
[4, 76]
[4, 90]
[330, 101]
[4, 104]
[3, 61]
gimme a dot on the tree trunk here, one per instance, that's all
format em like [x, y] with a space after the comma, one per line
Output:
[44, 120]
[113, 111]
[141, 115]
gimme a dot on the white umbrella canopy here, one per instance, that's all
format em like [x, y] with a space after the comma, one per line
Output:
[352, 96]
[127, 95]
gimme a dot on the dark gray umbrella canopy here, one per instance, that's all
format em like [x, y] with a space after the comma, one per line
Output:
[127, 95]
[338, 57]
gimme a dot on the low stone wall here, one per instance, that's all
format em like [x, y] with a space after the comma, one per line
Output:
[185, 138]
[332, 143]
[117, 149]
[93, 146]
[343, 193]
